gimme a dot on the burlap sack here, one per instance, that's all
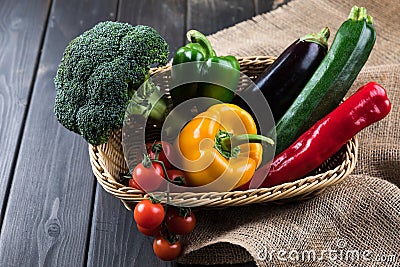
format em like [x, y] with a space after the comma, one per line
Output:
[356, 223]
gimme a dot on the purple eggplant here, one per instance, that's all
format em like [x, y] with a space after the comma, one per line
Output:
[283, 81]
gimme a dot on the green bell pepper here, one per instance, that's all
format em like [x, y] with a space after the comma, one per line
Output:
[223, 71]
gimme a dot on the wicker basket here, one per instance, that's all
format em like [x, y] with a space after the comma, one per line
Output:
[108, 163]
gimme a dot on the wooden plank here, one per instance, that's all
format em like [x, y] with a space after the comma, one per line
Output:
[49, 209]
[167, 17]
[21, 31]
[115, 240]
[247, 264]
[263, 6]
[209, 16]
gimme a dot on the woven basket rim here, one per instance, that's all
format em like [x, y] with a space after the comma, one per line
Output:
[303, 188]
[300, 189]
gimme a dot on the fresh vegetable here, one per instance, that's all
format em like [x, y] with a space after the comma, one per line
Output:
[148, 175]
[132, 183]
[150, 220]
[283, 81]
[181, 221]
[348, 53]
[149, 214]
[149, 232]
[368, 105]
[220, 144]
[162, 151]
[176, 176]
[165, 249]
[200, 51]
[99, 73]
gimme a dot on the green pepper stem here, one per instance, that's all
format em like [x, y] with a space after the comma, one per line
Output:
[320, 38]
[197, 37]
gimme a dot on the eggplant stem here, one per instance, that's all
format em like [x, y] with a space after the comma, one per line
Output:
[320, 38]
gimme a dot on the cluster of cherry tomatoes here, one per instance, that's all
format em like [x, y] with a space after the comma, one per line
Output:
[164, 223]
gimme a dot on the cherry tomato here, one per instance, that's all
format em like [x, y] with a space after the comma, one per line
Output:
[157, 168]
[149, 178]
[149, 232]
[180, 224]
[149, 215]
[177, 176]
[132, 183]
[165, 152]
[165, 250]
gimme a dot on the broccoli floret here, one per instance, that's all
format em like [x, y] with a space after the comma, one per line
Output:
[98, 74]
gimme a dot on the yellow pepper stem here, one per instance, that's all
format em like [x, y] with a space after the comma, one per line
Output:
[228, 144]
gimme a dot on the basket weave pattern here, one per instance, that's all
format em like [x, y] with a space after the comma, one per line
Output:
[108, 163]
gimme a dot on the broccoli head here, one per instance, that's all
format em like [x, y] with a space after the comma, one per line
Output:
[98, 74]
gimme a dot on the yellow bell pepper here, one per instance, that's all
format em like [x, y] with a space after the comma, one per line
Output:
[220, 149]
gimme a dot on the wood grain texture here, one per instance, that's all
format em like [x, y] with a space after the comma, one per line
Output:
[209, 16]
[47, 218]
[167, 17]
[115, 240]
[21, 29]
[247, 264]
[263, 6]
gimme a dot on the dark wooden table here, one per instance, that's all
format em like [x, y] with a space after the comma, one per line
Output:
[53, 212]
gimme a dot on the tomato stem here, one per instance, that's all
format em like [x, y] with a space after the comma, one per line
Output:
[154, 200]
[170, 237]
[179, 180]
[168, 179]
[125, 176]
[168, 196]
[157, 149]
[146, 160]
[184, 212]
[163, 167]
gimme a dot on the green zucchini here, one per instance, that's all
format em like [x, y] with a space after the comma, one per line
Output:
[349, 51]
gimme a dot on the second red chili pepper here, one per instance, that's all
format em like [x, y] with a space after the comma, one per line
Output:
[368, 105]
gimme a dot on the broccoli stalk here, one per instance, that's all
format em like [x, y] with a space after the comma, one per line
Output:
[148, 102]
[100, 72]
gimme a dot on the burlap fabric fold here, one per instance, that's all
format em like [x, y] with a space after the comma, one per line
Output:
[355, 223]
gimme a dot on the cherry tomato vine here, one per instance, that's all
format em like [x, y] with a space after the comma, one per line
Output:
[163, 222]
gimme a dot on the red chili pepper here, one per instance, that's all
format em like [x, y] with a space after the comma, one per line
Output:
[368, 105]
